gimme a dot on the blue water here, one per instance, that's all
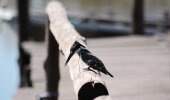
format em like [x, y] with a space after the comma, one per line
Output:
[9, 72]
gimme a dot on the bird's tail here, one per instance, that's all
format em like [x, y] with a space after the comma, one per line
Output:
[109, 74]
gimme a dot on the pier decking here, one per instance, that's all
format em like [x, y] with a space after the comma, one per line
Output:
[141, 66]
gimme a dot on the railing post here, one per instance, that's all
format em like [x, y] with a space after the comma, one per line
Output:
[51, 66]
[138, 17]
[24, 56]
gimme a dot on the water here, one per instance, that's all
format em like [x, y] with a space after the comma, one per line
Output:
[117, 9]
[9, 72]
[109, 9]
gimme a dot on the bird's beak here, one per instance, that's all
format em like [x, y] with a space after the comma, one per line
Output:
[69, 57]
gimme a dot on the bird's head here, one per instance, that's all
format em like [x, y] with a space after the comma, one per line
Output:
[76, 46]
[73, 49]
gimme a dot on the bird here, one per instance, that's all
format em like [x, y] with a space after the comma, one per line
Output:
[88, 58]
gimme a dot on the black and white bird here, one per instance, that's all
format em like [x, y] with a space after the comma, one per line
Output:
[88, 58]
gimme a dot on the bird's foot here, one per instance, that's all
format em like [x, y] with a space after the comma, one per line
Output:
[88, 69]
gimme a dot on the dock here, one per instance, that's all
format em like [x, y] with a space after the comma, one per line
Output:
[140, 65]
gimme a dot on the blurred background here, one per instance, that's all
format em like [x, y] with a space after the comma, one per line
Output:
[125, 33]
[99, 17]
